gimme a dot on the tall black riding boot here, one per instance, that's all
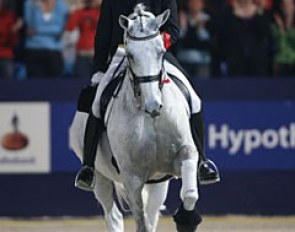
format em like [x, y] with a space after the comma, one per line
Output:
[85, 178]
[207, 170]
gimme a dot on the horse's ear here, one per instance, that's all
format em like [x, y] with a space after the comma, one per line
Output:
[124, 22]
[162, 18]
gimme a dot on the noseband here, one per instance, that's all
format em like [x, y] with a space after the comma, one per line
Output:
[137, 80]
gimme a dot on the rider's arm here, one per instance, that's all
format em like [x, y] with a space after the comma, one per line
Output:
[171, 26]
[103, 37]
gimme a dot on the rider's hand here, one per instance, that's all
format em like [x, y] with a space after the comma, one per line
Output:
[96, 78]
[167, 40]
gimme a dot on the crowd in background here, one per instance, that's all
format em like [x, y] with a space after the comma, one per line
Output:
[218, 38]
[238, 38]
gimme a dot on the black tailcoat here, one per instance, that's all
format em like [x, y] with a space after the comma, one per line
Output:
[109, 34]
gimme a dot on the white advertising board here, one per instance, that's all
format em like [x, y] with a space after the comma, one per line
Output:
[24, 137]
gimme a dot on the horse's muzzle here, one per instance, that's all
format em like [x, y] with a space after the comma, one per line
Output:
[154, 112]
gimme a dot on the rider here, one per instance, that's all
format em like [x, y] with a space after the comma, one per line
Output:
[109, 36]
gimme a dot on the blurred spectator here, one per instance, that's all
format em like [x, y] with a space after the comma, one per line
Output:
[69, 42]
[194, 45]
[19, 51]
[45, 21]
[8, 40]
[284, 31]
[85, 20]
[263, 4]
[245, 40]
[216, 11]
[181, 5]
[215, 8]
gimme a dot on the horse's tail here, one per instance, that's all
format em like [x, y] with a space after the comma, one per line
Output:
[122, 196]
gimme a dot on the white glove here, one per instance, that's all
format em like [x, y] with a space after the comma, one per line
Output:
[96, 78]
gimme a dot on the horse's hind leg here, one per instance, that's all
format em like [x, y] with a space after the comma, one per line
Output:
[156, 195]
[103, 192]
[134, 186]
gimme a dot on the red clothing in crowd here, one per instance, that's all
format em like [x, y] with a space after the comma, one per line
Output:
[268, 3]
[8, 38]
[85, 20]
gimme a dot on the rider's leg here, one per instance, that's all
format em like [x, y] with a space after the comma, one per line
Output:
[95, 125]
[208, 172]
[93, 132]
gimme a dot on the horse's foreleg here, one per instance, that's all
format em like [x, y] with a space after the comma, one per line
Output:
[156, 195]
[189, 191]
[187, 218]
[134, 186]
[103, 192]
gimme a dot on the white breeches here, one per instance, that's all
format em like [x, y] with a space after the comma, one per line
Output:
[113, 67]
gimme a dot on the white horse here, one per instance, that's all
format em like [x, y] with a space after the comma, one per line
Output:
[148, 133]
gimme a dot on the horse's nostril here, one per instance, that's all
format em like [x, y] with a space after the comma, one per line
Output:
[161, 106]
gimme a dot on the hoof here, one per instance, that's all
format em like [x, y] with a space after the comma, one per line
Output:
[182, 228]
[187, 221]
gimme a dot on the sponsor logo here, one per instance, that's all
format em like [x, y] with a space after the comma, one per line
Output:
[25, 138]
[249, 140]
[15, 140]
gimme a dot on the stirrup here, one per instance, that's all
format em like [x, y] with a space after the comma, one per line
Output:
[211, 180]
[82, 184]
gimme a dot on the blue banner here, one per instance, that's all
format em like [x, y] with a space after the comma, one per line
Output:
[251, 135]
[240, 135]
[63, 159]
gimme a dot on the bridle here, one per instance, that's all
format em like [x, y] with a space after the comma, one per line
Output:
[137, 80]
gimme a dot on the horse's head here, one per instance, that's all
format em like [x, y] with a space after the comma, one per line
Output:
[145, 50]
